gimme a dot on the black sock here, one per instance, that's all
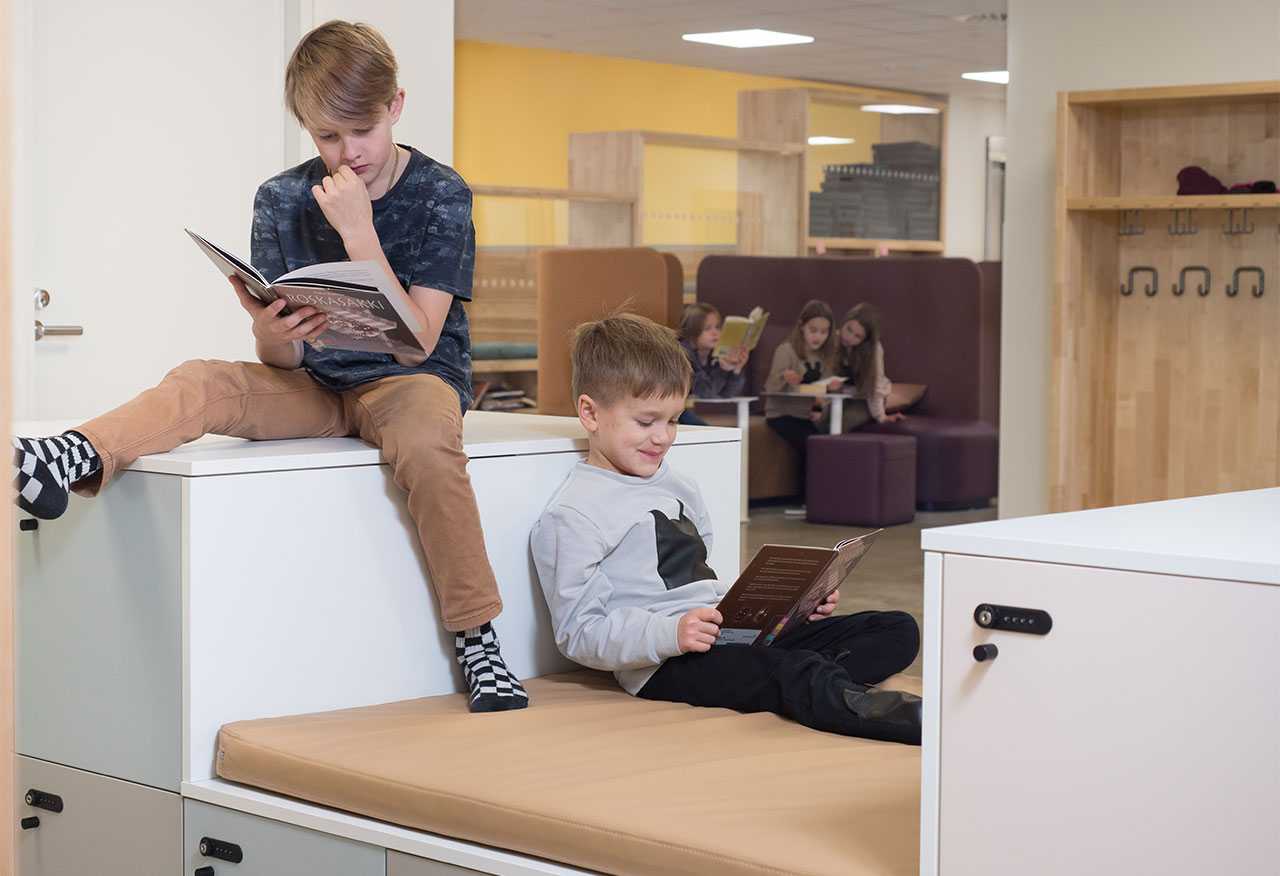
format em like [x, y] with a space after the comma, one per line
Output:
[492, 686]
[45, 468]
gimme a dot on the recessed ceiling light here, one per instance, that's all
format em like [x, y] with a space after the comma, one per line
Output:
[900, 109]
[748, 39]
[830, 141]
[999, 77]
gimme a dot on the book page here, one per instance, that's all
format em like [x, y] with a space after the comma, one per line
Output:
[367, 275]
[359, 318]
[231, 266]
[762, 598]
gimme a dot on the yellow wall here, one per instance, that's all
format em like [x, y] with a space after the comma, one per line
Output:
[514, 109]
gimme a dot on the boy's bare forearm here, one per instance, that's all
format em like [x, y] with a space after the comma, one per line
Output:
[287, 355]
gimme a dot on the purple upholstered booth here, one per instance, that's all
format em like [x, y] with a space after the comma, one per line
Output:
[940, 325]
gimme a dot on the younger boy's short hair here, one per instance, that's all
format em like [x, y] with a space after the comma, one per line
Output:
[341, 71]
[626, 355]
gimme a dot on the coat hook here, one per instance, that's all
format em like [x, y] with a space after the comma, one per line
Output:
[1131, 223]
[1180, 287]
[1151, 289]
[1233, 289]
[1245, 226]
[1180, 228]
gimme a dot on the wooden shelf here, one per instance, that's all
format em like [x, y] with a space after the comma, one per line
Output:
[699, 141]
[861, 243]
[1177, 202]
[550, 194]
[1228, 93]
[503, 366]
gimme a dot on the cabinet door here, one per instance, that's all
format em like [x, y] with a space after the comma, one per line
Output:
[98, 608]
[270, 848]
[106, 827]
[408, 865]
[1141, 735]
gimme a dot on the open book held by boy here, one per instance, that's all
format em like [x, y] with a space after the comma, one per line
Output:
[621, 552]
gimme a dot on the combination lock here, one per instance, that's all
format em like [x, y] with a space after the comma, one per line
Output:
[221, 850]
[1012, 619]
[44, 800]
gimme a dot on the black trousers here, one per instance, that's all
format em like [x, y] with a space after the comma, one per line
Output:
[801, 676]
[796, 431]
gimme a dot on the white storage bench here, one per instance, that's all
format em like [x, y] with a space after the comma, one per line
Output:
[1125, 714]
[231, 580]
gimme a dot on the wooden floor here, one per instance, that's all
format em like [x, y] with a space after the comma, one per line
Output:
[889, 578]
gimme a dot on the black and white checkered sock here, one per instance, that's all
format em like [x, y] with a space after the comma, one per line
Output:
[493, 688]
[45, 468]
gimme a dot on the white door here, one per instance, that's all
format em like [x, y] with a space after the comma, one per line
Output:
[133, 120]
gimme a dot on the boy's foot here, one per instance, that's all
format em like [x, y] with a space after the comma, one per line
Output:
[45, 468]
[492, 686]
[887, 715]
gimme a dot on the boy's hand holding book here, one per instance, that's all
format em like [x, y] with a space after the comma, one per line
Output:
[826, 608]
[698, 629]
[304, 324]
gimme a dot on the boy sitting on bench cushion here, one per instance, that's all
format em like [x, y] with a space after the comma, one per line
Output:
[621, 553]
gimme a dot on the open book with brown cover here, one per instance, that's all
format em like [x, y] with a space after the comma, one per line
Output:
[782, 586]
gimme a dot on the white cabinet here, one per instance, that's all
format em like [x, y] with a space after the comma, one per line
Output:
[231, 580]
[399, 864]
[91, 824]
[1141, 734]
[245, 845]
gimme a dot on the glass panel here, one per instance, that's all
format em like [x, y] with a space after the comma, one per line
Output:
[510, 231]
[884, 184]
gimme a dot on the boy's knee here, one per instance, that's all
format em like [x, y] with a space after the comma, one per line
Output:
[901, 628]
[196, 373]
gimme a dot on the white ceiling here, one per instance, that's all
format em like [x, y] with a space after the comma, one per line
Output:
[917, 45]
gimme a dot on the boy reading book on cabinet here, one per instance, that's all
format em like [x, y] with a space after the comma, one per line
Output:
[621, 553]
[363, 198]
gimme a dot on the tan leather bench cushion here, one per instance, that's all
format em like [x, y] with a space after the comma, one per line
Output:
[594, 778]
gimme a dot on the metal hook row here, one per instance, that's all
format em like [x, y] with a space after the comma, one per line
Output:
[1179, 288]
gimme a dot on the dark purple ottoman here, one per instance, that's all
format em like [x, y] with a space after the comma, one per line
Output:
[861, 479]
[956, 460]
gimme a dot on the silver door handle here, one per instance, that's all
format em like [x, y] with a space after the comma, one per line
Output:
[43, 330]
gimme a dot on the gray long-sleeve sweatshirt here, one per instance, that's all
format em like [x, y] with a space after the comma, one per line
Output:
[620, 560]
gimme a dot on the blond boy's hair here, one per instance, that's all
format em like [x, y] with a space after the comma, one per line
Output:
[341, 71]
[627, 355]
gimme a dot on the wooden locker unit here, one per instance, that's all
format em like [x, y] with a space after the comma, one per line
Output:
[1159, 395]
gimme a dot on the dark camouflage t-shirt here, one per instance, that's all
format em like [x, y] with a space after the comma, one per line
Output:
[424, 226]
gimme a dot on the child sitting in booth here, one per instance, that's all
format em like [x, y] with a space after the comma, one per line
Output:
[861, 363]
[621, 552]
[713, 377]
[808, 356]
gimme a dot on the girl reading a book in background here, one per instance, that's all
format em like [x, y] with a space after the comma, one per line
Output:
[861, 363]
[713, 376]
[804, 364]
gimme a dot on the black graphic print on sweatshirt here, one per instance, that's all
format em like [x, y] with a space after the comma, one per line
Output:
[682, 555]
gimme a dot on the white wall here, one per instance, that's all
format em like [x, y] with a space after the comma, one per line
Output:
[1086, 44]
[421, 35]
[970, 121]
[211, 192]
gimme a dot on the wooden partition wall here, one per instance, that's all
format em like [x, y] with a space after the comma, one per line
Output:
[1165, 385]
